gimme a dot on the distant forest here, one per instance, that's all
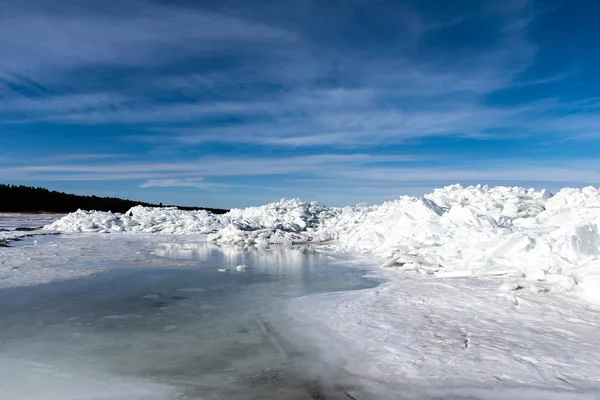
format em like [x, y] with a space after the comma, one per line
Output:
[34, 199]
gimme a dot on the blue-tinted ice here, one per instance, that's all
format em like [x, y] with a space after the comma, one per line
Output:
[186, 331]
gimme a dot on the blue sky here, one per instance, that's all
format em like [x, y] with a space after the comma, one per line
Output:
[236, 103]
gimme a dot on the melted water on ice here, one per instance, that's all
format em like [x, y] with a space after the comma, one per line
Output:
[187, 331]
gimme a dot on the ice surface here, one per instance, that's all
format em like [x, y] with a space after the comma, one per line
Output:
[461, 338]
[165, 324]
[14, 226]
[454, 231]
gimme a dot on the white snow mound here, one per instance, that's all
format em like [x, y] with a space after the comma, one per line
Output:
[454, 231]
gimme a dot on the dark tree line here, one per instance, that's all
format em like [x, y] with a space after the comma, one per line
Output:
[33, 199]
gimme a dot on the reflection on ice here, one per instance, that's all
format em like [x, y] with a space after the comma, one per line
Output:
[272, 260]
[186, 251]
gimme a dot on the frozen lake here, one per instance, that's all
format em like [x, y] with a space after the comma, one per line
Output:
[14, 225]
[177, 329]
[107, 316]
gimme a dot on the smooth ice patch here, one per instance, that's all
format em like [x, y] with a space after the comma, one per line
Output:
[34, 379]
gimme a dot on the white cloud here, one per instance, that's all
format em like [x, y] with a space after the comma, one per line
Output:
[62, 105]
[206, 166]
[329, 169]
[384, 97]
[139, 33]
[198, 183]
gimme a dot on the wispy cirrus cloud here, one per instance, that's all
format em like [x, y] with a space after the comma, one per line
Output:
[180, 171]
[285, 91]
[197, 183]
[87, 156]
[138, 33]
[271, 68]
[347, 168]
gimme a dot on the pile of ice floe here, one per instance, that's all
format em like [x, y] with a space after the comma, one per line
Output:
[287, 221]
[453, 231]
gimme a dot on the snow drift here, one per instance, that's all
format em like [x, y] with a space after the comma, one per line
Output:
[454, 231]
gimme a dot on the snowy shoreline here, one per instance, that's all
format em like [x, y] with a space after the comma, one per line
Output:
[452, 232]
[511, 323]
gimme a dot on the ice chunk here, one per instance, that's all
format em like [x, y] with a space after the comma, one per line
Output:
[475, 230]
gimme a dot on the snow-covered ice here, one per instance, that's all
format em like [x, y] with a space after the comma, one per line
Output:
[486, 293]
[423, 337]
